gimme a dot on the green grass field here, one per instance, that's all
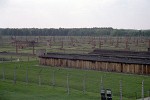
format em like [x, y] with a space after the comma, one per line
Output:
[54, 83]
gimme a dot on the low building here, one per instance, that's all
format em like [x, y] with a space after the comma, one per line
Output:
[114, 61]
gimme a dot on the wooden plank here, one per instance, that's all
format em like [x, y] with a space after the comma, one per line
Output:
[94, 65]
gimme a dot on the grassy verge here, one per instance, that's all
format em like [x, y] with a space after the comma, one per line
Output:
[131, 83]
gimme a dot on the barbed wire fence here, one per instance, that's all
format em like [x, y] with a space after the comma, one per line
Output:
[76, 81]
[17, 58]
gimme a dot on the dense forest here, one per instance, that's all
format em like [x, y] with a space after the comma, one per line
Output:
[72, 32]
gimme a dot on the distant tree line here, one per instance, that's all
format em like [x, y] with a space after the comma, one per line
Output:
[72, 32]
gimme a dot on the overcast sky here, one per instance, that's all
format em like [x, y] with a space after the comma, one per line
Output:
[133, 14]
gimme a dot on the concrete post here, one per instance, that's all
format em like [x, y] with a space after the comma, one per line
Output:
[120, 90]
[143, 90]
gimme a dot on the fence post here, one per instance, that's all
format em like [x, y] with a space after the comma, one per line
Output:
[15, 75]
[53, 78]
[68, 90]
[27, 75]
[28, 58]
[2, 60]
[11, 58]
[39, 79]
[3, 73]
[120, 90]
[143, 90]
[101, 84]
[135, 95]
[149, 95]
[84, 83]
